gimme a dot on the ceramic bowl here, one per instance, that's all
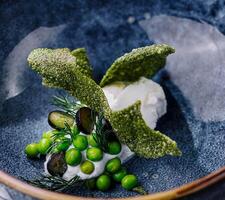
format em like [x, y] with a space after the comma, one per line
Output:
[193, 81]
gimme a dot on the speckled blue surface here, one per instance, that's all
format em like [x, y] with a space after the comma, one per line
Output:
[107, 30]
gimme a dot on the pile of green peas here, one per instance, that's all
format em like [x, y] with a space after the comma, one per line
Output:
[114, 172]
[34, 149]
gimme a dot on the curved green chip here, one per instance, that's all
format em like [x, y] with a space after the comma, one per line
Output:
[145, 61]
[83, 61]
[132, 130]
[58, 69]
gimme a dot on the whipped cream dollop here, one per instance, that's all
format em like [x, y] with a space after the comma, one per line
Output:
[120, 96]
[150, 93]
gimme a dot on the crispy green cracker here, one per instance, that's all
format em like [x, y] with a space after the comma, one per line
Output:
[58, 69]
[83, 61]
[132, 130]
[145, 61]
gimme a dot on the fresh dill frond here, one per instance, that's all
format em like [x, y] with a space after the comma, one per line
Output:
[55, 183]
[101, 135]
[67, 105]
[61, 136]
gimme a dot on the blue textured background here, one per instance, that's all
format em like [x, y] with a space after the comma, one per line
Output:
[102, 27]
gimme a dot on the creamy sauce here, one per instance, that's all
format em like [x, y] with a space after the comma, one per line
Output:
[119, 96]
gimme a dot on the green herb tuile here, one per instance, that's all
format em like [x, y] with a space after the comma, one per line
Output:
[144, 61]
[83, 61]
[58, 69]
[132, 130]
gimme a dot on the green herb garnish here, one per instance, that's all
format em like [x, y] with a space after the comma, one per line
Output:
[145, 61]
[55, 183]
[101, 135]
[61, 136]
[67, 105]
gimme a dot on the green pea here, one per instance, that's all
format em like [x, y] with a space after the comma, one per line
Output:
[91, 141]
[129, 182]
[63, 146]
[44, 145]
[119, 175]
[32, 150]
[114, 147]
[80, 142]
[103, 182]
[73, 157]
[94, 154]
[113, 165]
[90, 184]
[87, 167]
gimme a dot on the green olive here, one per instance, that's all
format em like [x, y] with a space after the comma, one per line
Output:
[103, 182]
[91, 141]
[94, 154]
[87, 167]
[113, 165]
[32, 150]
[129, 182]
[90, 184]
[114, 147]
[73, 157]
[44, 145]
[57, 119]
[119, 175]
[80, 142]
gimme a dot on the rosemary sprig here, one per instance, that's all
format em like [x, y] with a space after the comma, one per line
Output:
[55, 183]
[67, 105]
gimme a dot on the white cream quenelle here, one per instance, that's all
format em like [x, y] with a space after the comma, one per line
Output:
[119, 96]
[151, 94]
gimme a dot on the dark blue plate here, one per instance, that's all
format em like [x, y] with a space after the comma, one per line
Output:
[193, 79]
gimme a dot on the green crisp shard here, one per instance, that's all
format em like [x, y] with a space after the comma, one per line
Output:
[42, 57]
[132, 130]
[58, 69]
[83, 61]
[145, 61]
